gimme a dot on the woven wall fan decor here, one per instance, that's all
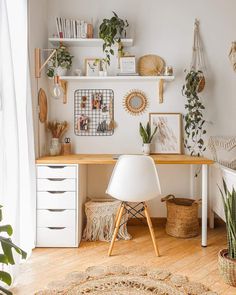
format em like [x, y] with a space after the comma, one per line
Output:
[135, 102]
[150, 65]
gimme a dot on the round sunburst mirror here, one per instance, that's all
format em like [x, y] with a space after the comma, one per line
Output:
[135, 102]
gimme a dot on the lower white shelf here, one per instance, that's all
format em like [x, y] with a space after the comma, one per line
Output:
[117, 78]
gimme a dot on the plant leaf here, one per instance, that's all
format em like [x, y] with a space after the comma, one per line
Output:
[5, 277]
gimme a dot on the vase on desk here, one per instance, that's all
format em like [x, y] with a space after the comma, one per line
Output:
[146, 149]
[55, 148]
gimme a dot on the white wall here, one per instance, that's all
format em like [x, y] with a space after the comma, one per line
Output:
[164, 28]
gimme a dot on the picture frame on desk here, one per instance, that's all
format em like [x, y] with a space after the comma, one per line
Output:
[92, 67]
[168, 138]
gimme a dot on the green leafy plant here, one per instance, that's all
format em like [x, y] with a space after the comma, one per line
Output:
[111, 30]
[194, 121]
[146, 133]
[62, 58]
[229, 201]
[6, 257]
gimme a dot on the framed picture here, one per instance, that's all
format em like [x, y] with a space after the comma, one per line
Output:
[127, 65]
[168, 138]
[92, 66]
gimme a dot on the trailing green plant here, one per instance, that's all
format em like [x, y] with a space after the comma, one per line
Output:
[146, 133]
[6, 257]
[62, 58]
[111, 30]
[229, 201]
[194, 121]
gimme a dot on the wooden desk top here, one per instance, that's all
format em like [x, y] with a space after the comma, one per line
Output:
[108, 159]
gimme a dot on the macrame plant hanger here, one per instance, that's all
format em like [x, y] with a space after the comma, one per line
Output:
[232, 55]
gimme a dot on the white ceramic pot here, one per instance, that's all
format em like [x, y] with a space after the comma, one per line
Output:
[146, 148]
[61, 71]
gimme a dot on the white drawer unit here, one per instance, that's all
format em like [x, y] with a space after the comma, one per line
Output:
[56, 200]
[56, 184]
[61, 192]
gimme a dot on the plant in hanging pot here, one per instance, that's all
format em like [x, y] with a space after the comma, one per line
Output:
[60, 62]
[111, 31]
[194, 121]
[227, 257]
[147, 137]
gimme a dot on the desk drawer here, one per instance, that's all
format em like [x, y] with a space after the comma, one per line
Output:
[56, 184]
[56, 237]
[56, 218]
[58, 171]
[56, 200]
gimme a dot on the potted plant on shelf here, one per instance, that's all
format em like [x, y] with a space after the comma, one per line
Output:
[6, 257]
[111, 31]
[227, 257]
[60, 62]
[147, 137]
[194, 121]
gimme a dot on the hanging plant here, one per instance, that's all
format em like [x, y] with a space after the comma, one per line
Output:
[194, 121]
[111, 31]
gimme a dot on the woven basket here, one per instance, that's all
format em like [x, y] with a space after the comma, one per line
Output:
[182, 217]
[227, 267]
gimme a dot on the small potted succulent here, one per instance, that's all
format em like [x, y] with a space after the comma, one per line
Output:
[227, 257]
[111, 31]
[60, 62]
[147, 137]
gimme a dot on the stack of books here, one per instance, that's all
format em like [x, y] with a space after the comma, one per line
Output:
[71, 28]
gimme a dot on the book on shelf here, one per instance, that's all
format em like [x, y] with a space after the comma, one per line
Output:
[71, 28]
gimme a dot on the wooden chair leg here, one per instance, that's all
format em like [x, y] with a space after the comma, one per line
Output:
[121, 209]
[151, 230]
[117, 213]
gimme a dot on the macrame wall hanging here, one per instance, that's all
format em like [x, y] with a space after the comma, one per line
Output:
[198, 63]
[232, 55]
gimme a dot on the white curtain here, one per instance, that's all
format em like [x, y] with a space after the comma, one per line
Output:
[17, 169]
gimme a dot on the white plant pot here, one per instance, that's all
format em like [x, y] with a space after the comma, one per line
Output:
[61, 71]
[146, 149]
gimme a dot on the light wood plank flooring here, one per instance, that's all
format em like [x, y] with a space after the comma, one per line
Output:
[183, 256]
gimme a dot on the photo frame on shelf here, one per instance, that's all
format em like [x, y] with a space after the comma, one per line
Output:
[92, 66]
[127, 65]
[168, 138]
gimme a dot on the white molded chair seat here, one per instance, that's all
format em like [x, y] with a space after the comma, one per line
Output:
[134, 179]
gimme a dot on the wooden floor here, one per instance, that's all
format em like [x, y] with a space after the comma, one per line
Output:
[183, 256]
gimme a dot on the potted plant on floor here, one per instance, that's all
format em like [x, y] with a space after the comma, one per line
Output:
[111, 31]
[147, 137]
[6, 257]
[194, 120]
[60, 62]
[227, 257]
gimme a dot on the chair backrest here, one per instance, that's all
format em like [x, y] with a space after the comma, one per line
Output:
[134, 179]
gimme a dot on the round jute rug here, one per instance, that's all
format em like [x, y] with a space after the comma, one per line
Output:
[118, 279]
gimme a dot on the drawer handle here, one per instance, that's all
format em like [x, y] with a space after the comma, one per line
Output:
[56, 227]
[56, 167]
[56, 179]
[56, 210]
[56, 192]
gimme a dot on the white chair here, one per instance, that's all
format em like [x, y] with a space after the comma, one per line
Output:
[134, 179]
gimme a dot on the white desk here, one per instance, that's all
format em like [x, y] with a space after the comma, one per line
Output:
[104, 159]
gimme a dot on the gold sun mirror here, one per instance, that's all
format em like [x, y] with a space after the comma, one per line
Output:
[135, 102]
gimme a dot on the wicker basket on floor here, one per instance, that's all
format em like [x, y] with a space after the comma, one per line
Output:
[227, 267]
[182, 217]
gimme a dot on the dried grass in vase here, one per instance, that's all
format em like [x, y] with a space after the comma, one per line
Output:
[57, 128]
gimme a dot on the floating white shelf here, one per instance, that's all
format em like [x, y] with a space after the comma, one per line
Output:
[86, 42]
[117, 78]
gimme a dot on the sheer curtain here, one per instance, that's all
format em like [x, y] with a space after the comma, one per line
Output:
[17, 169]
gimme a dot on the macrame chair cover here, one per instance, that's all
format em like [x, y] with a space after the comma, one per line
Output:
[197, 63]
[232, 55]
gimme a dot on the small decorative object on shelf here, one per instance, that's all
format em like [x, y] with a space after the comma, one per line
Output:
[135, 102]
[66, 147]
[92, 66]
[128, 65]
[94, 112]
[232, 55]
[60, 62]
[147, 137]
[111, 31]
[57, 129]
[168, 138]
[168, 71]
[227, 257]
